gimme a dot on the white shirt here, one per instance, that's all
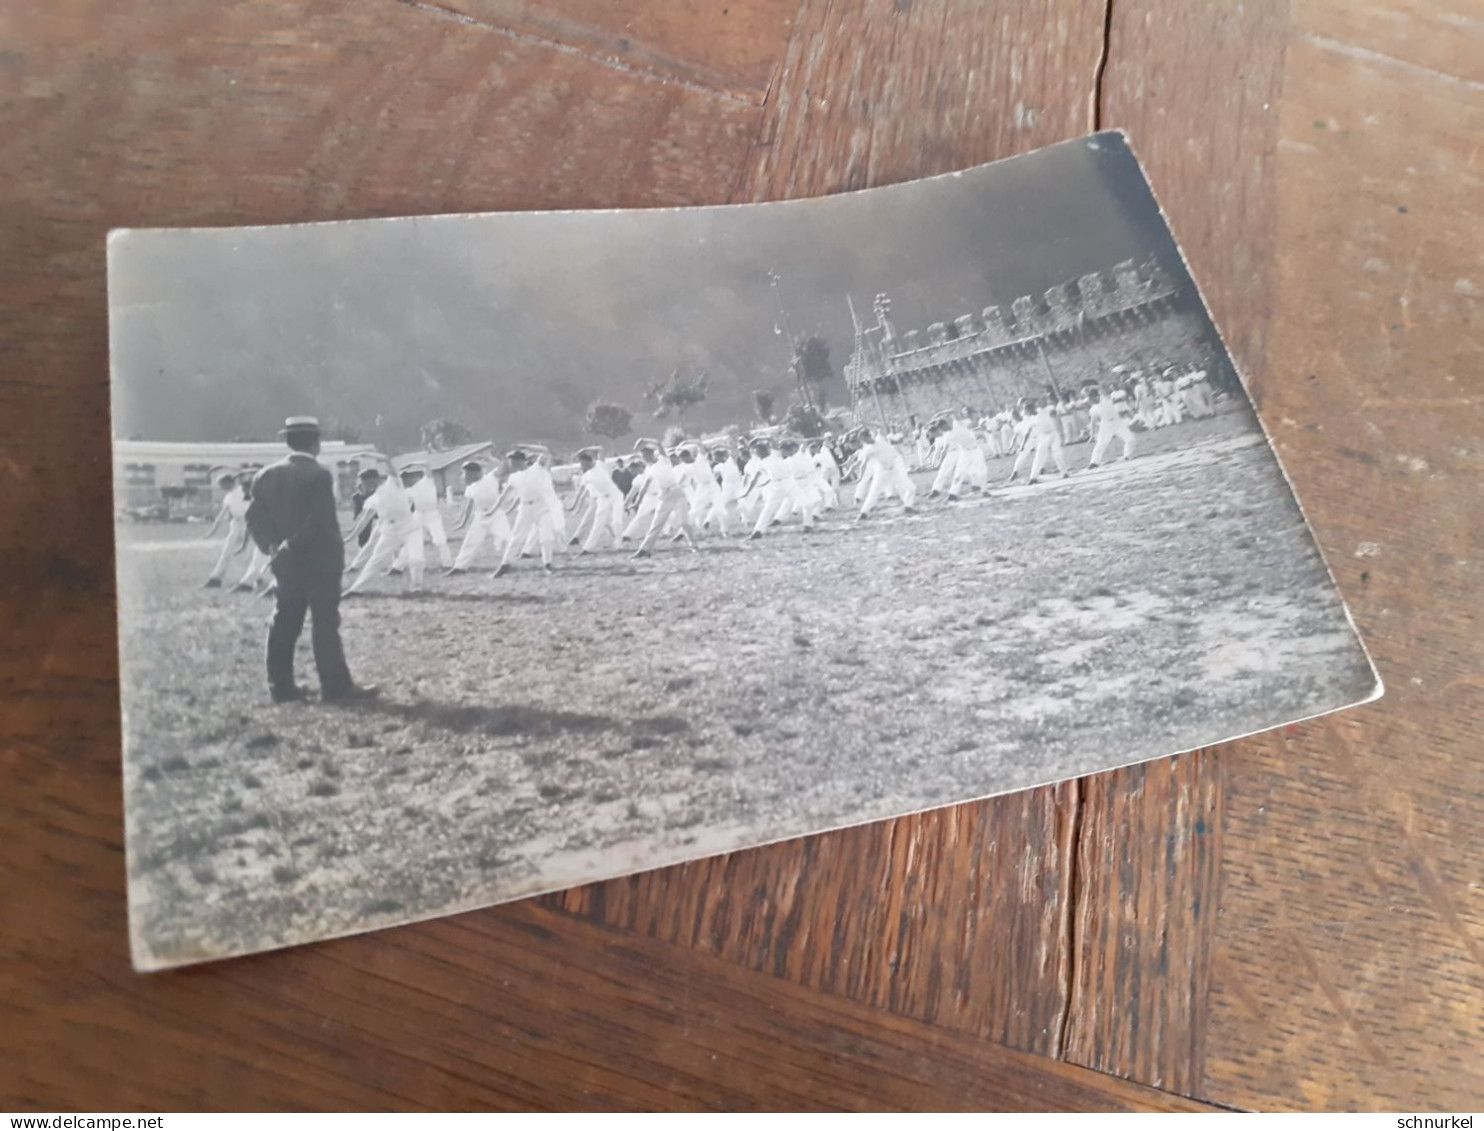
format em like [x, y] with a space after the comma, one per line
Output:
[532, 487]
[1106, 412]
[391, 503]
[484, 492]
[641, 485]
[599, 484]
[663, 477]
[731, 478]
[424, 495]
[959, 436]
[884, 454]
[1044, 422]
[236, 503]
[801, 466]
[697, 478]
[771, 469]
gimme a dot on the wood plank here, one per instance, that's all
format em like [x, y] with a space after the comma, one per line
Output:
[873, 92]
[1197, 87]
[954, 917]
[1350, 951]
[1147, 867]
[515, 1008]
[730, 49]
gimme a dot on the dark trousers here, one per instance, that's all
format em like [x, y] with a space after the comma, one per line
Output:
[322, 603]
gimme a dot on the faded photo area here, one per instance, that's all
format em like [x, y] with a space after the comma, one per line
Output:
[469, 557]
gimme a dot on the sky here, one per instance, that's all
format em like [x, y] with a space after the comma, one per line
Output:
[513, 323]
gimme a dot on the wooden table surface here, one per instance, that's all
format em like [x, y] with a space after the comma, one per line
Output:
[1290, 921]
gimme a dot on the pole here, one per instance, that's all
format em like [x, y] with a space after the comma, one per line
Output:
[793, 349]
[1046, 361]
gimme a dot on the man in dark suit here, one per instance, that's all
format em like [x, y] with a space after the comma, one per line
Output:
[292, 519]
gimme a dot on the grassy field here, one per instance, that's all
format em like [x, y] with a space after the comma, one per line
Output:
[540, 731]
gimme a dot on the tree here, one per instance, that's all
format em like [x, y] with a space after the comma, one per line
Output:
[676, 394]
[345, 433]
[445, 433]
[762, 402]
[813, 369]
[611, 420]
[804, 420]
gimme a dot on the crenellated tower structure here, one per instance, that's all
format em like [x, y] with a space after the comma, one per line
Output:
[1131, 316]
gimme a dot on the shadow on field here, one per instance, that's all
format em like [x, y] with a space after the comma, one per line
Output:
[530, 722]
[487, 598]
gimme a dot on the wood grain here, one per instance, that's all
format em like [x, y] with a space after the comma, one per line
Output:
[954, 917]
[1197, 88]
[876, 967]
[727, 49]
[515, 1008]
[1350, 952]
[872, 92]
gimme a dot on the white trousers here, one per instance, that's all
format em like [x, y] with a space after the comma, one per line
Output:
[722, 514]
[235, 530]
[532, 524]
[1106, 432]
[433, 527]
[673, 506]
[801, 497]
[947, 470]
[384, 549]
[973, 471]
[491, 528]
[1048, 444]
[775, 497]
[256, 568]
[639, 525]
[430, 525]
[607, 523]
[897, 482]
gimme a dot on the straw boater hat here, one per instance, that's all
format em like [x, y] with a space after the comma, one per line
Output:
[300, 425]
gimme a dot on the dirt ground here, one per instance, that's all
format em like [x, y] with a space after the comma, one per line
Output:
[545, 730]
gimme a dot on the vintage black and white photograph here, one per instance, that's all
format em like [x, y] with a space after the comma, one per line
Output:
[463, 558]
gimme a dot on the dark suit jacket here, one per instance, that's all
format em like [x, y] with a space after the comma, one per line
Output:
[292, 516]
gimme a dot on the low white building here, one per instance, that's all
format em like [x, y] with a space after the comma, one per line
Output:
[144, 469]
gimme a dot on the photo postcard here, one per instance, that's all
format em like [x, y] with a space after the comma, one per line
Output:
[463, 558]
